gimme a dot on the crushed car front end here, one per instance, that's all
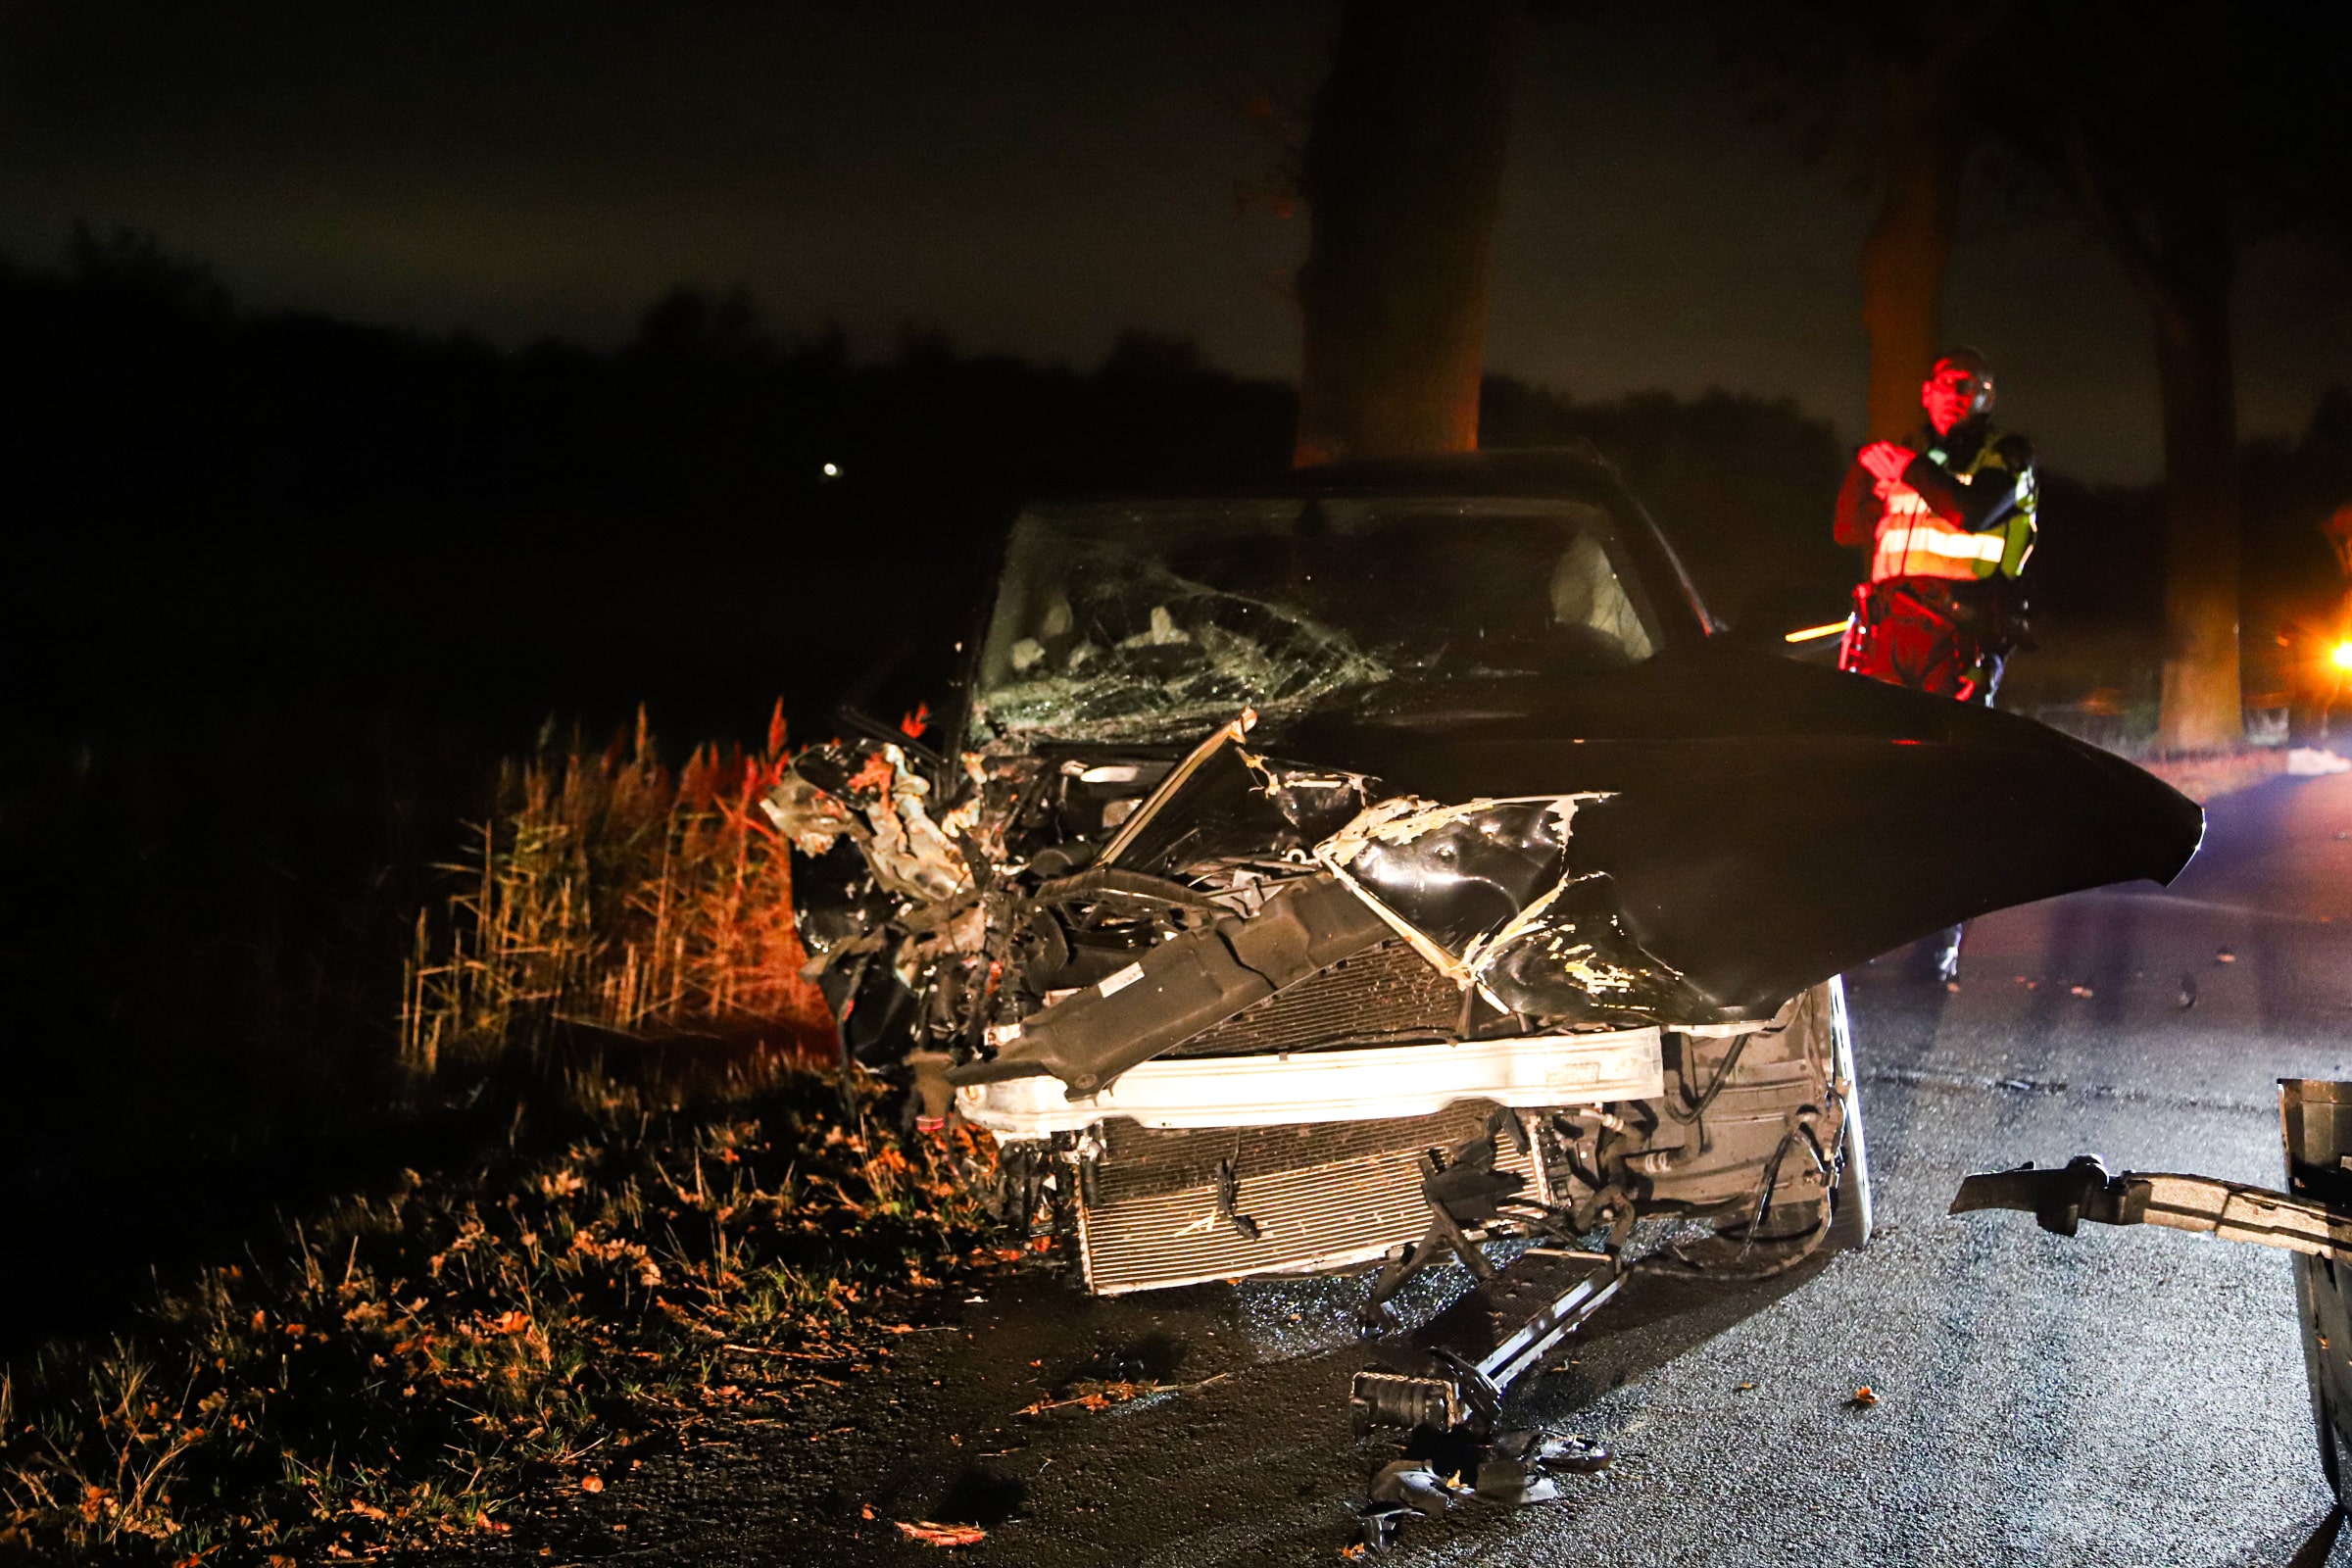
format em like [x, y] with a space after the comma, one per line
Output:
[1376, 862]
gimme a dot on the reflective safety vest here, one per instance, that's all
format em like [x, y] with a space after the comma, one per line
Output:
[1913, 539]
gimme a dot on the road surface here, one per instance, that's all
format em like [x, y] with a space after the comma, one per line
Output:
[2131, 1396]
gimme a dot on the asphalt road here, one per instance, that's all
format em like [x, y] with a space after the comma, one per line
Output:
[2130, 1397]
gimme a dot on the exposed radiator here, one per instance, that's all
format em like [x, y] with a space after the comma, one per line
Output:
[1322, 1194]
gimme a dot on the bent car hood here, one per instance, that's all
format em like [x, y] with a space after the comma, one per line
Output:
[1764, 825]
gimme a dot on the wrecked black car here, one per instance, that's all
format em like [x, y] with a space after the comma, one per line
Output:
[1386, 858]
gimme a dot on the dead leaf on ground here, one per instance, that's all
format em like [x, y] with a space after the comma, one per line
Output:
[938, 1535]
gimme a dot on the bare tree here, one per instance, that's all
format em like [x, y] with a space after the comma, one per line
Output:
[2174, 238]
[1890, 91]
[2181, 132]
[1928, 60]
[1402, 176]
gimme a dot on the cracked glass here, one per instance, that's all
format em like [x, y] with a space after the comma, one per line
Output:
[1146, 623]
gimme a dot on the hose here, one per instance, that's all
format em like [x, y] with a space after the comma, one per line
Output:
[1723, 1075]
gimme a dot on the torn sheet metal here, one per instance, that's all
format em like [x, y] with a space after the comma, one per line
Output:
[1485, 891]
[1560, 1452]
[1225, 737]
[1514, 1483]
[1226, 803]
[1761, 824]
[1412, 1484]
[871, 795]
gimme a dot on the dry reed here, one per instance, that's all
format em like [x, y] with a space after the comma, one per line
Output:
[611, 893]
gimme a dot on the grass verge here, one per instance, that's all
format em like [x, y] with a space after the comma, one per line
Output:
[414, 1361]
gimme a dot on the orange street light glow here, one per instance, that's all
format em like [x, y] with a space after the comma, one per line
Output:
[1810, 633]
[2341, 655]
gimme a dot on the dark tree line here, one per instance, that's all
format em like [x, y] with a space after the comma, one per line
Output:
[255, 499]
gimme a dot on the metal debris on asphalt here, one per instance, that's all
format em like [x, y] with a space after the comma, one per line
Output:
[1415, 1484]
[931, 1534]
[1516, 1482]
[1514, 1469]
[2312, 1218]
[1558, 1451]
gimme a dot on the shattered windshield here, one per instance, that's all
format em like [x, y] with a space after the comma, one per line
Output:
[1146, 622]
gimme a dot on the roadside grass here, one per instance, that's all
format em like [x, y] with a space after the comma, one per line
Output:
[400, 1367]
[417, 1359]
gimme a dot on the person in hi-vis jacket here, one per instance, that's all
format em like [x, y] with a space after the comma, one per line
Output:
[1948, 520]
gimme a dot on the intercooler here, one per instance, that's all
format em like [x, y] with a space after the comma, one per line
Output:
[1187, 1206]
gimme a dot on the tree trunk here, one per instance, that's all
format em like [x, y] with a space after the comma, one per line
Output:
[2171, 231]
[2202, 694]
[1402, 174]
[1905, 254]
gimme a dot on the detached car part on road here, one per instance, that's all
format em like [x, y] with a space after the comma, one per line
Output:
[2312, 1219]
[1383, 861]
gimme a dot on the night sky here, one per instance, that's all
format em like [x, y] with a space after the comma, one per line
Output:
[1029, 178]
